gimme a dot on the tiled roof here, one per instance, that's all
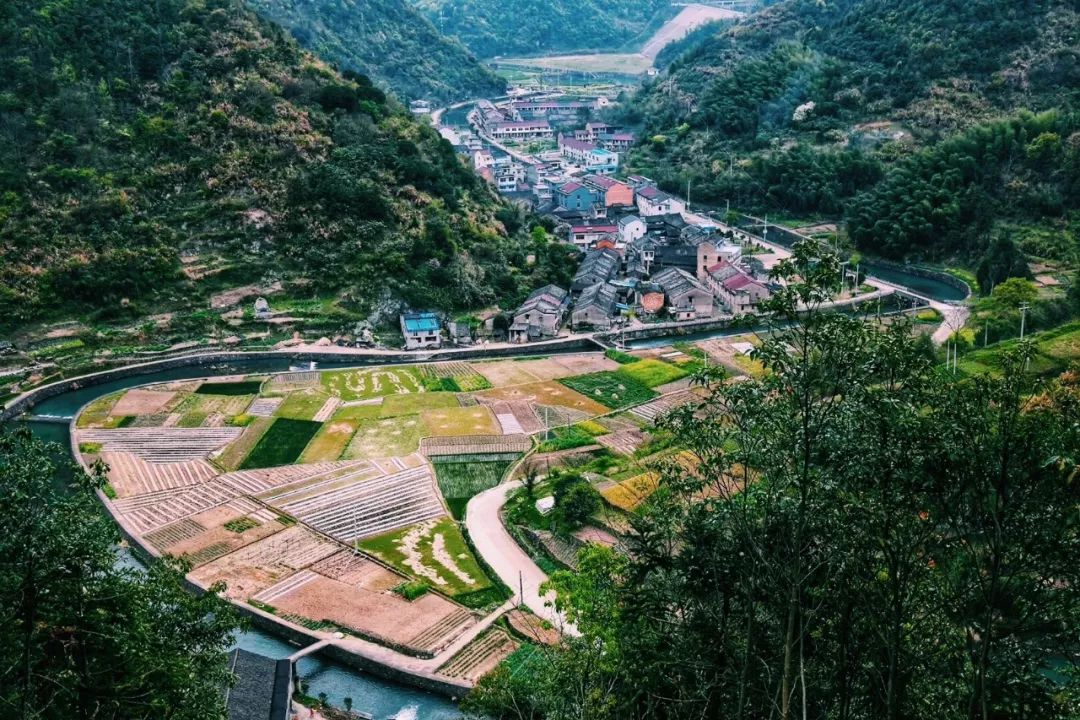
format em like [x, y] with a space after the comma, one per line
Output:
[600, 295]
[595, 228]
[651, 192]
[570, 187]
[676, 281]
[577, 144]
[738, 282]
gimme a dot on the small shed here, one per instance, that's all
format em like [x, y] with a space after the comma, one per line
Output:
[262, 309]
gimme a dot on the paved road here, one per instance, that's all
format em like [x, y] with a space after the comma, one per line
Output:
[513, 566]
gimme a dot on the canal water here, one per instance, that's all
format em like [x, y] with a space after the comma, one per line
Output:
[380, 698]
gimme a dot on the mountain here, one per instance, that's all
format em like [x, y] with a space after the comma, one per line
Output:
[152, 154]
[530, 27]
[390, 42]
[808, 103]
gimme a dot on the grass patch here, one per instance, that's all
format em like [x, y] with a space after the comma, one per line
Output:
[302, 404]
[592, 427]
[358, 412]
[245, 387]
[619, 356]
[690, 349]
[330, 442]
[396, 405]
[282, 443]
[90, 448]
[97, 413]
[652, 373]
[110, 491]
[459, 481]
[614, 390]
[412, 589]
[387, 437]
[748, 365]
[389, 548]
[565, 438]
[368, 383]
[239, 525]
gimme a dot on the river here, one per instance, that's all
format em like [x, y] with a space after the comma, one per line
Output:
[380, 698]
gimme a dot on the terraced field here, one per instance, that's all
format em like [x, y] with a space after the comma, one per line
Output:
[323, 498]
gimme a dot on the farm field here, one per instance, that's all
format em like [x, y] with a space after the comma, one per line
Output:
[476, 420]
[332, 500]
[387, 437]
[367, 383]
[551, 393]
[613, 389]
[652, 373]
[462, 476]
[330, 442]
[435, 552]
[282, 443]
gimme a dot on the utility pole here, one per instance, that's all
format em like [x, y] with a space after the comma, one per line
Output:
[986, 332]
[521, 589]
[1023, 317]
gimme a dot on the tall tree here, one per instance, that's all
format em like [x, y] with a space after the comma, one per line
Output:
[81, 636]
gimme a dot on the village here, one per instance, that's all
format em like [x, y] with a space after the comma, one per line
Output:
[646, 258]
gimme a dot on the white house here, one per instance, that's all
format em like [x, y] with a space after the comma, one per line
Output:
[631, 227]
[653, 201]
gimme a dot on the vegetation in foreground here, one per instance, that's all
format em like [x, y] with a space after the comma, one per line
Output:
[863, 537]
[83, 636]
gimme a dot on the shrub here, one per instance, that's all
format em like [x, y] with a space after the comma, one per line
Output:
[412, 589]
[619, 356]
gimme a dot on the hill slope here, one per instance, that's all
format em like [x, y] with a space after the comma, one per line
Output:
[527, 27]
[390, 42]
[807, 103]
[133, 133]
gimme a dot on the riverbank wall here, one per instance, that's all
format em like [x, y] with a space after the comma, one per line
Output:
[23, 403]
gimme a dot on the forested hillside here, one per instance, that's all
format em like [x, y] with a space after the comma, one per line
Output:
[530, 27]
[804, 105]
[390, 42]
[134, 135]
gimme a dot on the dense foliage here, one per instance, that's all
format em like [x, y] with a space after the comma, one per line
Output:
[804, 105]
[531, 27]
[390, 42]
[134, 133]
[864, 538]
[84, 637]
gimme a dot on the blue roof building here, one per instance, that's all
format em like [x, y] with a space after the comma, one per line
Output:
[421, 330]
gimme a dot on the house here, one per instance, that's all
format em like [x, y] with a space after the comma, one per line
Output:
[686, 297]
[653, 201]
[618, 142]
[420, 107]
[599, 266]
[540, 315]
[521, 130]
[592, 158]
[482, 159]
[555, 111]
[684, 257]
[421, 330]
[263, 688]
[585, 236]
[262, 309]
[460, 332]
[595, 307]
[739, 292]
[574, 196]
[709, 254]
[486, 114]
[609, 192]
[631, 228]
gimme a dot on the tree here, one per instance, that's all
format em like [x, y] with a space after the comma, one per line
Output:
[1016, 291]
[857, 537]
[83, 637]
[348, 704]
[1003, 260]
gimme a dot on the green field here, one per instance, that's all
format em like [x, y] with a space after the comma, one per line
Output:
[1055, 350]
[460, 480]
[281, 444]
[388, 548]
[651, 373]
[302, 404]
[245, 387]
[388, 437]
[613, 389]
[395, 405]
[368, 383]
